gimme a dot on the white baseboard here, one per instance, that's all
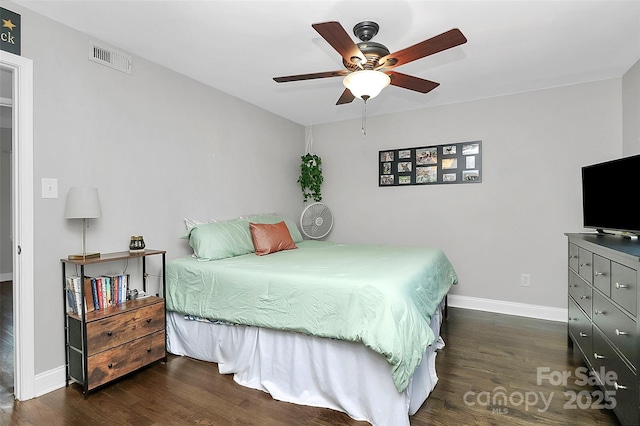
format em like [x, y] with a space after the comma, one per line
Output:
[509, 308]
[50, 380]
[7, 276]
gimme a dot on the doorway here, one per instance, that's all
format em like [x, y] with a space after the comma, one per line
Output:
[6, 250]
[21, 213]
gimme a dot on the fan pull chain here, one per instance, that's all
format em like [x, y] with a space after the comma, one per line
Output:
[364, 117]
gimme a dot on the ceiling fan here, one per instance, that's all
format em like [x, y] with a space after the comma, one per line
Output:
[368, 63]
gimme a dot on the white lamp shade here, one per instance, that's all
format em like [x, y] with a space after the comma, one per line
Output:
[366, 83]
[83, 203]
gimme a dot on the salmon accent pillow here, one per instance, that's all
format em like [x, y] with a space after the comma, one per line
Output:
[271, 237]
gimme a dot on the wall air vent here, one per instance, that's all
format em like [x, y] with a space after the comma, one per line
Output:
[109, 57]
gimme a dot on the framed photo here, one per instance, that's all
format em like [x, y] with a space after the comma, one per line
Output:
[386, 180]
[426, 155]
[448, 150]
[386, 156]
[404, 167]
[448, 164]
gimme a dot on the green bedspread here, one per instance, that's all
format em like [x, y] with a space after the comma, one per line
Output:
[382, 296]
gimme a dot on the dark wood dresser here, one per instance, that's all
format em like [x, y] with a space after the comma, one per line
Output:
[604, 276]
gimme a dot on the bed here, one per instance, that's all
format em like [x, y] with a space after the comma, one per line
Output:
[351, 327]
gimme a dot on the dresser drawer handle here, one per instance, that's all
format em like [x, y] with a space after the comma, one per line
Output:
[618, 386]
[597, 312]
[573, 285]
[148, 320]
[582, 334]
[584, 264]
[597, 274]
[148, 350]
[109, 333]
[573, 256]
[596, 356]
[619, 286]
[110, 365]
[584, 297]
[621, 333]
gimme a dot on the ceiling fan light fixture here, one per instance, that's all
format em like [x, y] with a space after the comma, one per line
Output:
[366, 84]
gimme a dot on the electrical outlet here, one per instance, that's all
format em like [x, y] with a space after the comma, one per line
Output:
[525, 280]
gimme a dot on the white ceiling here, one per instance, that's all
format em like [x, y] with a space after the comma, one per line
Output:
[239, 46]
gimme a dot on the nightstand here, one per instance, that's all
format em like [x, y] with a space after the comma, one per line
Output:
[102, 345]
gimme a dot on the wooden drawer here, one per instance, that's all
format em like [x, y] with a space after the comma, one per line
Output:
[616, 377]
[115, 330]
[617, 326]
[624, 287]
[585, 264]
[573, 257]
[580, 329]
[602, 274]
[581, 292]
[111, 364]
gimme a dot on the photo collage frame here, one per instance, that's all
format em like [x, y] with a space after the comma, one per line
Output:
[429, 165]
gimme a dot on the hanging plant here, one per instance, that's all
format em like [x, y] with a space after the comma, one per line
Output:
[310, 179]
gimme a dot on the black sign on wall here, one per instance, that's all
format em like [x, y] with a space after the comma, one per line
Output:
[10, 31]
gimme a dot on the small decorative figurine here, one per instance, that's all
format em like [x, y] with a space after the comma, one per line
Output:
[136, 245]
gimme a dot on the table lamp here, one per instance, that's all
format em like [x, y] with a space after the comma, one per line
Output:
[83, 203]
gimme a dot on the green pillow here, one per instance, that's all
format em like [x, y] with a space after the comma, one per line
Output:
[221, 240]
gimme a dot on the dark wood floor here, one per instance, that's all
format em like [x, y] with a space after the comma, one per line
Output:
[6, 343]
[485, 354]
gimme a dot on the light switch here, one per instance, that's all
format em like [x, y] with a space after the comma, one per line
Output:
[49, 188]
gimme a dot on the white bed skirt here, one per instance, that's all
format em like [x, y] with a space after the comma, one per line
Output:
[341, 375]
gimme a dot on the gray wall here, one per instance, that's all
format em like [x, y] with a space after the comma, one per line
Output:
[157, 145]
[513, 222]
[631, 110]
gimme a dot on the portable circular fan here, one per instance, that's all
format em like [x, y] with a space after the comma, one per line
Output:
[316, 220]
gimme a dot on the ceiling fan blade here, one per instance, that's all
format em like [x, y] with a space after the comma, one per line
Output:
[444, 41]
[412, 83]
[346, 97]
[337, 37]
[311, 76]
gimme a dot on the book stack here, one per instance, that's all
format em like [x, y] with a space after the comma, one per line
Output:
[99, 292]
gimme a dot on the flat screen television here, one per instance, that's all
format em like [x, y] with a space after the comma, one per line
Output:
[610, 195]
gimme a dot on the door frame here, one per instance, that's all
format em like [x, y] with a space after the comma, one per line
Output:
[22, 224]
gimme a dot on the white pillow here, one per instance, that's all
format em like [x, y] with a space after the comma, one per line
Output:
[191, 222]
